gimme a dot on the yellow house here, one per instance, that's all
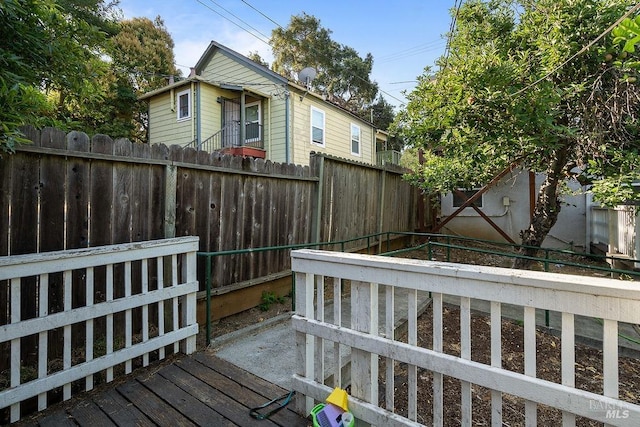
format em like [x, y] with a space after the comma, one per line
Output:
[281, 120]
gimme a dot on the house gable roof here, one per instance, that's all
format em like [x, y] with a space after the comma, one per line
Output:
[175, 85]
[260, 69]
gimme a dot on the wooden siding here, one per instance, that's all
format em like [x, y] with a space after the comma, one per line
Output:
[337, 132]
[210, 109]
[164, 128]
[223, 69]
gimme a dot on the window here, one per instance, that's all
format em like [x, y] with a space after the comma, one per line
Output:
[184, 104]
[317, 126]
[458, 200]
[252, 119]
[355, 139]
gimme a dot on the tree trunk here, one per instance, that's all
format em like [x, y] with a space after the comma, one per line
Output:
[545, 214]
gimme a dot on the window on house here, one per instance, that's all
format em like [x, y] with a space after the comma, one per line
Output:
[252, 119]
[458, 200]
[184, 104]
[355, 139]
[317, 126]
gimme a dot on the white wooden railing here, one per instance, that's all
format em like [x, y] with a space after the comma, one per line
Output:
[370, 276]
[156, 277]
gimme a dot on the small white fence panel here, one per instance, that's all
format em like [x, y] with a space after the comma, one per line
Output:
[172, 299]
[619, 229]
[375, 281]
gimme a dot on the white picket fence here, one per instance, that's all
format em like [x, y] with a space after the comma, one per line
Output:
[370, 276]
[175, 287]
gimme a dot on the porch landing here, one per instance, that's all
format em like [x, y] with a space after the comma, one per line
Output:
[200, 389]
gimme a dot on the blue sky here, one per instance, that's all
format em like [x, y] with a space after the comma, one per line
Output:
[403, 36]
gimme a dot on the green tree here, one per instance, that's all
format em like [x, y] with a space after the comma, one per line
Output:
[142, 60]
[520, 86]
[342, 75]
[45, 46]
[255, 57]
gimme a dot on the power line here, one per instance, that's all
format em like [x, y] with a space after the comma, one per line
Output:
[452, 27]
[424, 50]
[240, 19]
[410, 51]
[233, 22]
[581, 51]
[261, 13]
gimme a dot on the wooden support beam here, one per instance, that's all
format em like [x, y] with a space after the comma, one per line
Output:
[476, 196]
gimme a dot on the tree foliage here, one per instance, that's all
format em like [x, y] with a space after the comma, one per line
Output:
[45, 45]
[74, 64]
[342, 75]
[506, 94]
[142, 60]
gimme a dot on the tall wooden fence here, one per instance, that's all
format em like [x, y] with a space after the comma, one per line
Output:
[68, 191]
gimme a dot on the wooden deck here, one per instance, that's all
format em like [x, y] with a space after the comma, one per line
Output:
[200, 389]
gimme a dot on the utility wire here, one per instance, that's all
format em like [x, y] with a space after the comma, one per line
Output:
[410, 50]
[398, 56]
[581, 51]
[261, 13]
[452, 27]
[240, 19]
[234, 23]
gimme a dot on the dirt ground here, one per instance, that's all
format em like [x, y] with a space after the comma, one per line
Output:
[588, 360]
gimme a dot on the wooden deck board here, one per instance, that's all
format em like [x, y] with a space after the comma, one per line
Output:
[192, 390]
[223, 404]
[183, 402]
[204, 368]
[88, 413]
[152, 406]
[122, 412]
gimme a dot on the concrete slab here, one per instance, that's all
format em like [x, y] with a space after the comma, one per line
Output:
[268, 350]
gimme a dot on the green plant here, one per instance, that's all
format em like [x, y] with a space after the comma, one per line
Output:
[269, 298]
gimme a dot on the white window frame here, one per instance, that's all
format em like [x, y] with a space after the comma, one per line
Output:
[324, 128]
[178, 96]
[356, 137]
[259, 121]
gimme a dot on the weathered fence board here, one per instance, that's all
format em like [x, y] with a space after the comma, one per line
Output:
[68, 191]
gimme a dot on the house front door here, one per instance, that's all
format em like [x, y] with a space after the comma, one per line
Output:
[230, 123]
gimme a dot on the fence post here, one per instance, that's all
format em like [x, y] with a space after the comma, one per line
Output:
[189, 302]
[170, 185]
[364, 365]
[381, 204]
[317, 221]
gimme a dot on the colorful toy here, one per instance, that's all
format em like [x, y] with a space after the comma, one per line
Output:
[333, 413]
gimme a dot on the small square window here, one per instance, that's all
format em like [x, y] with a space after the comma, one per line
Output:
[458, 200]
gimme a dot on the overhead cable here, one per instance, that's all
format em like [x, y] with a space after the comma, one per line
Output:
[233, 22]
[243, 1]
[581, 51]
